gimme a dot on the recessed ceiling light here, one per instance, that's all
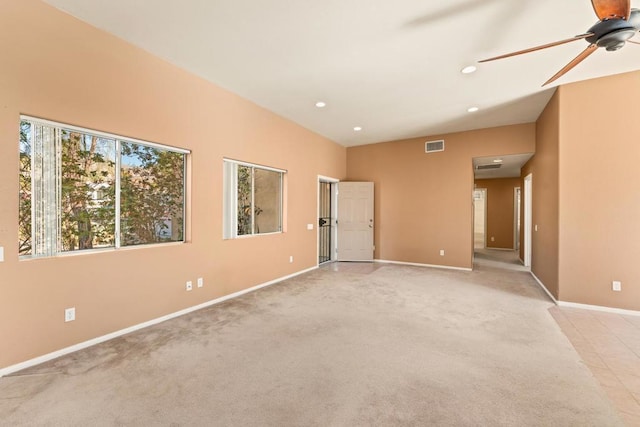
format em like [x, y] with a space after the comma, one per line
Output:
[472, 109]
[469, 69]
[357, 128]
[321, 104]
[497, 160]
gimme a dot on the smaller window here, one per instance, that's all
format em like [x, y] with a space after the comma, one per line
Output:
[252, 199]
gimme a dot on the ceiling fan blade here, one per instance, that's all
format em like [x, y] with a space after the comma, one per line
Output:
[612, 9]
[544, 46]
[578, 59]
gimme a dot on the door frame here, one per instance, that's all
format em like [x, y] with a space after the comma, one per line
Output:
[528, 218]
[334, 217]
[517, 206]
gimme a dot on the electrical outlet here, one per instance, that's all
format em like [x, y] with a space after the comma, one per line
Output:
[616, 286]
[200, 282]
[70, 314]
[291, 259]
[441, 252]
[1, 254]
[189, 285]
[309, 226]
[493, 239]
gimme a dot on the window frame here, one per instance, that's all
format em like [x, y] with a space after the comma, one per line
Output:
[230, 199]
[118, 140]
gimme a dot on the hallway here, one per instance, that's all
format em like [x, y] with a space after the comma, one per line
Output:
[496, 258]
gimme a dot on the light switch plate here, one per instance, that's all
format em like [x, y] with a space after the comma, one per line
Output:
[1, 254]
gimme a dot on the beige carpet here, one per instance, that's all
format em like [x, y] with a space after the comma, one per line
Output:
[346, 345]
[505, 259]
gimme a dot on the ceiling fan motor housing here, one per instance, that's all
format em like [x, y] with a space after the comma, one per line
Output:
[612, 34]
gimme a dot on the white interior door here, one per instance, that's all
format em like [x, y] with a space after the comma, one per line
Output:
[355, 221]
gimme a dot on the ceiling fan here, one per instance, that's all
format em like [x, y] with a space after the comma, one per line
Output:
[617, 24]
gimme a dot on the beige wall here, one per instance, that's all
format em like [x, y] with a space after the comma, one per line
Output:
[600, 191]
[500, 210]
[585, 193]
[545, 182]
[58, 68]
[423, 202]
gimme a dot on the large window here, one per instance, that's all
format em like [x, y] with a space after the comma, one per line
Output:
[253, 199]
[81, 189]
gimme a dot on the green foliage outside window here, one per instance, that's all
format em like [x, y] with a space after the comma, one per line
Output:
[151, 185]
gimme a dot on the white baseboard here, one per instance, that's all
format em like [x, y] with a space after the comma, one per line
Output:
[544, 288]
[585, 306]
[447, 267]
[71, 349]
[599, 308]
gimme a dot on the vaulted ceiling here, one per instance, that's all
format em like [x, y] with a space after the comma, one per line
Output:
[391, 68]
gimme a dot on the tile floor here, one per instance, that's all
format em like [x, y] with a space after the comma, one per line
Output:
[609, 344]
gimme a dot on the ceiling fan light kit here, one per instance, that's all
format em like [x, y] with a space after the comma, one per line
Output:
[617, 24]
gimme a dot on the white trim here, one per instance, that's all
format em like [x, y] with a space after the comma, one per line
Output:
[253, 202]
[516, 217]
[76, 347]
[528, 219]
[446, 267]
[253, 165]
[544, 288]
[500, 249]
[585, 306]
[118, 196]
[598, 308]
[327, 179]
[102, 134]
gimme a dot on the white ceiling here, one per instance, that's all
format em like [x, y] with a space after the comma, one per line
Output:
[391, 67]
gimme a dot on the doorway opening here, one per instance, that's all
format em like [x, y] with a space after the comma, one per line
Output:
[327, 212]
[528, 214]
[479, 218]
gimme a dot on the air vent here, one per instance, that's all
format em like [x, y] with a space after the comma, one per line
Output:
[482, 167]
[434, 146]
